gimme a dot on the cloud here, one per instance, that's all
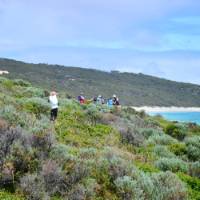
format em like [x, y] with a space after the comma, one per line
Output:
[153, 37]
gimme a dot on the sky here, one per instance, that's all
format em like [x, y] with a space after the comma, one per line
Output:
[155, 37]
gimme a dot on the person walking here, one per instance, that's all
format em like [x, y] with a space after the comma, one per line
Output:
[110, 103]
[115, 100]
[81, 98]
[53, 100]
[100, 100]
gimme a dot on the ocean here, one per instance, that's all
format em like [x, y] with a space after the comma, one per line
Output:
[179, 116]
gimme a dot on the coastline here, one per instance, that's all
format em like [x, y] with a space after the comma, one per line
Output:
[167, 109]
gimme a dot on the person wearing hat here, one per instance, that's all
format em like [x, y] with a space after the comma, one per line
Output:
[81, 98]
[100, 100]
[115, 100]
[54, 105]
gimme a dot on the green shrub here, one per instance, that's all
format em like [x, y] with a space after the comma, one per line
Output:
[193, 153]
[91, 187]
[162, 151]
[151, 123]
[114, 166]
[32, 92]
[8, 196]
[193, 147]
[78, 192]
[193, 185]
[21, 82]
[43, 142]
[10, 114]
[161, 139]
[167, 186]
[163, 185]
[32, 187]
[8, 84]
[54, 178]
[131, 136]
[171, 164]
[146, 184]
[195, 141]
[147, 132]
[177, 131]
[178, 149]
[60, 152]
[74, 127]
[22, 158]
[36, 105]
[3, 79]
[38, 126]
[27, 121]
[195, 169]
[88, 152]
[145, 167]
[93, 114]
[128, 189]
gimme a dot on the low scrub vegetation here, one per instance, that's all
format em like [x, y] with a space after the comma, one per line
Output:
[91, 152]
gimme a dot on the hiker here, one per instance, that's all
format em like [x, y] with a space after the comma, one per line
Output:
[116, 103]
[94, 100]
[81, 99]
[110, 103]
[54, 105]
[100, 100]
[115, 100]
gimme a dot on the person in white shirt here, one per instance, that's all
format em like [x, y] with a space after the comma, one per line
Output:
[54, 105]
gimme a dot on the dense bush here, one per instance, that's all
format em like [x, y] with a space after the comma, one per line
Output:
[195, 169]
[60, 153]
[131, 136]
[43, 142]
[74, 127]
[161, 139]
[2, 79]
[77, 193]
[21, 82]
[54, 178]
[178, 149]
[8, 196]
[10, 114]
[176, 131]
[38, 126]
[193, 185]
[8, 84]
[171, 164]
[147, 132]
[128, 189]
[162, 151]
[32, 187]
[168, 187]
[91, 187]
[32, 92]
[193, 147]
[36, 105]
[93, 114]
[27, 121]
[159, 186]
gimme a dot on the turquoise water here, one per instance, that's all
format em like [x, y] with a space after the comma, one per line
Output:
[179, 116]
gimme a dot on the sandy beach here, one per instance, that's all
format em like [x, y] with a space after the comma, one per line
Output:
[167, 109]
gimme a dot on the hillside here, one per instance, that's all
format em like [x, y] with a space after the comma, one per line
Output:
[91, 152]
[132, 89]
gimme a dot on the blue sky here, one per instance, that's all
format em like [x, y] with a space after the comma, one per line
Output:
[156, 37]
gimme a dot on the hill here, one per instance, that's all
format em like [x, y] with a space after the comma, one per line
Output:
[132, 89]
[91, 152]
